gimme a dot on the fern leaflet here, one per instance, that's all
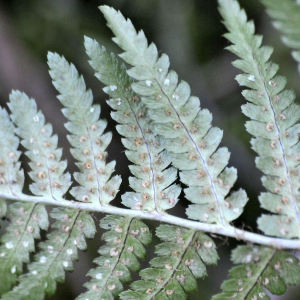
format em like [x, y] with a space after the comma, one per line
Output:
[11, 181]
[56, 255]
[87, 138]
[48, 178]
[274, 117]
[125, 239]
[185, 128]
[47, 170]
[181, 258]
[260, 269]
[26, 220]
[11, 177]
[286, 20]
[152, 182]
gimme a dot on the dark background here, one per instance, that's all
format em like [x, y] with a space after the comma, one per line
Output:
[189, 31]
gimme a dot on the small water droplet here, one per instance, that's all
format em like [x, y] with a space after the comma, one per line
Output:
[65, 264]
[272, 83]
[70, 251]
[167, 82]
[25, 244]
[236, 210]
[50, 249]
[148, 82]
[43, 259]
[35, 151]
[9, 245]
[113, 88]
[99, 276]
[36, 118]
[110, 88]
[13, 270]
[34, 272]
[175, 96]
[251, 77]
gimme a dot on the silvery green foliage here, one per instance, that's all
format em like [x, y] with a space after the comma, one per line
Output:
[153, 180]
[185, 129]
[170, 142]
[273, 123]
[181, 259]
[152, 184]
[286, 19]
[87, 138]
[56, 254]
[47, 174]
[11, 177]
[260, 270]
[125, 238]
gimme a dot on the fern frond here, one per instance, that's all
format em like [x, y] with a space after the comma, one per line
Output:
[25, 222]
[57, 253]
[186, 129]
[49, 180]
[261, 269]
[11, 176]
[11, 182]
[96, 184]
[274, 117]
[125, 239]
[152, 183]
[47, 170]
[181, 259]
[286, 19]
[87, 138]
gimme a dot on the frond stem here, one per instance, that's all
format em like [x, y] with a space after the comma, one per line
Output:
[228, 230]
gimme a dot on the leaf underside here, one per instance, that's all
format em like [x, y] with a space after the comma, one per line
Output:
[170, 142]
[260, 270]
[185, 129]
[273, 123]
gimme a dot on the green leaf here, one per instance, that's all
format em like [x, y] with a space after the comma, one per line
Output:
[49, 180]
[97, 185]
[124, 244]
[25, 222]
[273, 123]
[47, 169]
[153, 181]
[260, 269]
[178, 119]
[181, 259]
[11, 176]
[57, 253]
[285, 16]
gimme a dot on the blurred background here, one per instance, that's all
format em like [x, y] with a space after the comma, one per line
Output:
[189, 31]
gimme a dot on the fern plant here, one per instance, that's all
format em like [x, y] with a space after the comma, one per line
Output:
[174, 153]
